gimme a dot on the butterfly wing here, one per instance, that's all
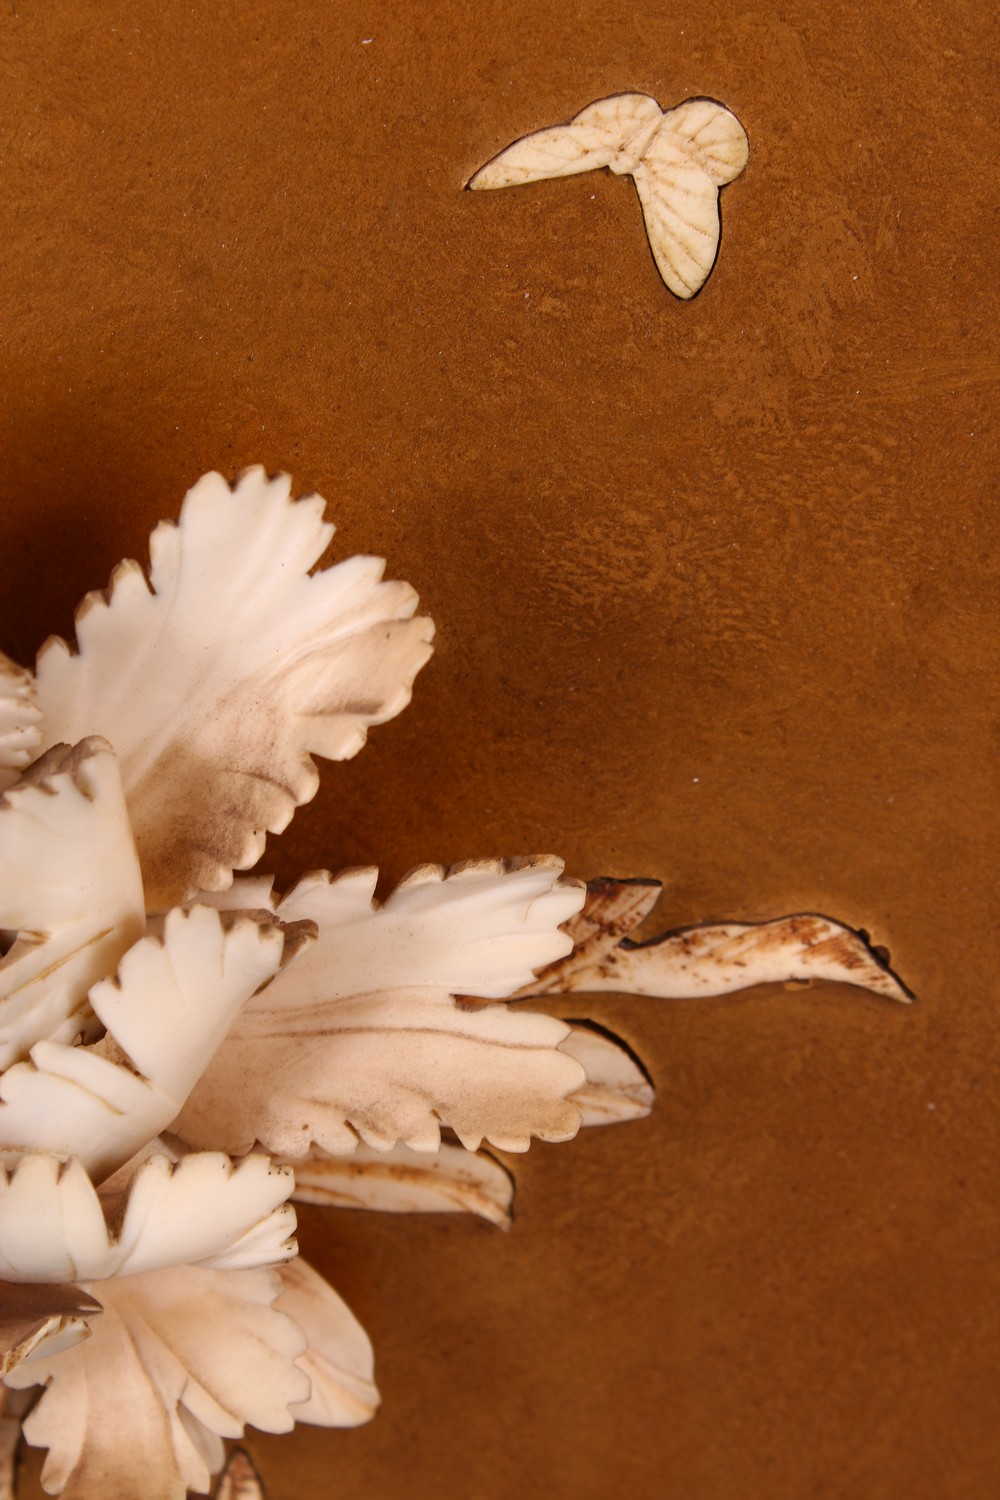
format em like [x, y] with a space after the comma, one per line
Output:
[698, 148]
[710, 135]
[594, 138]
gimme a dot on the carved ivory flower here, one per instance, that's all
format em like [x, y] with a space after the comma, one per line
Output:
[183, 1049]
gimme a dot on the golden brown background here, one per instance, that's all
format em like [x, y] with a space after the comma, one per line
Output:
[717, 593]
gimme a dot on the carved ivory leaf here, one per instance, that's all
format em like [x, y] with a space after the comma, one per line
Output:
[708, 959]
[166, 1012]
[20, 721]
[616, 1090]
[32, 1314]
[218, 683]
[203, 1210]
[338, 1359]
[239, 1480]
[179, 1358]
[402, 1181]
[459, 1181]
[71, 892]
[364, 1038]
[679, 160]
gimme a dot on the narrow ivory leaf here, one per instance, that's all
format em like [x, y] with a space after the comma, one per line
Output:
[338, 1358]
[207, 1444]
[202, 1210]
[172, 1345]
[679, 161]
[364, 1037]
[171, 1004]
[611, 910]
[20, 721]
[220, 679]
[33, 1313]
[713, 958]
[402, 1181]
[616, 1090]
[239, 1480]
[71, 893]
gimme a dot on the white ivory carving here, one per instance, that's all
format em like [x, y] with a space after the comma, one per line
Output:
[712, 958]
[33, 1314]
[455, 1180]
[402, 1181]
[20, 721]
[167, 1010]
[616, 1088]
[56, 1334]
[219, 679]
[338, 1358]
[239, 1480]
[135, 1051]
[364, 1038]
[679, 160]
[178, 1356]
[203, 1210]
[70, 893]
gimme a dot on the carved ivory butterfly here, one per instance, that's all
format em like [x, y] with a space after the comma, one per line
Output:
[678, 159]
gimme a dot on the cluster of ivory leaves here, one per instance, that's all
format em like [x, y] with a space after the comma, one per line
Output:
[184, 1052]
